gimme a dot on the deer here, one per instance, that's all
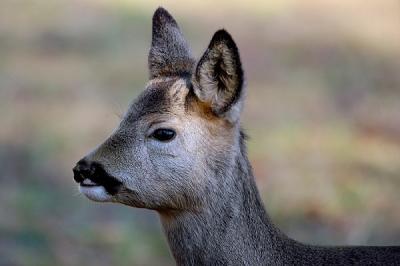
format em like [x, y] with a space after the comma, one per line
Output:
[180, 150]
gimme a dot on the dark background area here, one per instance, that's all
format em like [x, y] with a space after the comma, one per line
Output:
[322, 112]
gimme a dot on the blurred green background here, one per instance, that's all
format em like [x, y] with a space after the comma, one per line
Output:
[323, 115]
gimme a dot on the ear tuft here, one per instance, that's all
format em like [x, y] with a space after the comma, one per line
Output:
[169, 53]
[218, 79]
[161, 17]
[222, 36]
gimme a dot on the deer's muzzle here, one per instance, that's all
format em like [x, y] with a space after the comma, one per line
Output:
[91, 174]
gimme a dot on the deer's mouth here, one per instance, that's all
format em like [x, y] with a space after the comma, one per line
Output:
[100, 187]
[88, 183]
[94, 182]
[100, 191]
[110, 183]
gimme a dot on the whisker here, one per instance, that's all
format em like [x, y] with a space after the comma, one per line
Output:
[76, 192]
[117, 109]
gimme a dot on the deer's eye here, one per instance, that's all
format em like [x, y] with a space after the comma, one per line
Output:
[163, 134]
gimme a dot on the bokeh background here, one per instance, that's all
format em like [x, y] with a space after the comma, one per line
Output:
[323, 115]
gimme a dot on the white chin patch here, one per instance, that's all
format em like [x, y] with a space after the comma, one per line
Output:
[95, 193]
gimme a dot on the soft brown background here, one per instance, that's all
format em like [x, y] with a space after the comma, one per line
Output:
[323, 114]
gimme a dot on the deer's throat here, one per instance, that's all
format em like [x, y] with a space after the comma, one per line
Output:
[228, 225]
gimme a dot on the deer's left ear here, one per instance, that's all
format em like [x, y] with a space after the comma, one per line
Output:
[169, 53]
[218, 78]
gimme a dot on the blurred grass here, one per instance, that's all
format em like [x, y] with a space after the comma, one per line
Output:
[322, 113]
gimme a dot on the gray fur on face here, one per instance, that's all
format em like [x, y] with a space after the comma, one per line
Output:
[201, 182]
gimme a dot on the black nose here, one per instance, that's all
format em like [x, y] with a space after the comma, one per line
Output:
[83, 170]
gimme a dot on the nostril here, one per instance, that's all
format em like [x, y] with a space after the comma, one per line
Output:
[77, 175]
[82, 170]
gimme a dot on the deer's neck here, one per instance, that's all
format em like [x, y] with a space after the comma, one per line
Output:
[232, 227]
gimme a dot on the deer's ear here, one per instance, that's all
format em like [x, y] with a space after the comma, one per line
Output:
[169, 53]
[218, 79]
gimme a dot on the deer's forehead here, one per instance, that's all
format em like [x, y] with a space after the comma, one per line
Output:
[161, 96]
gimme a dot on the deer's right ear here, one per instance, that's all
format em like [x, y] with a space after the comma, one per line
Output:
[169, 53]
[218, 79]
